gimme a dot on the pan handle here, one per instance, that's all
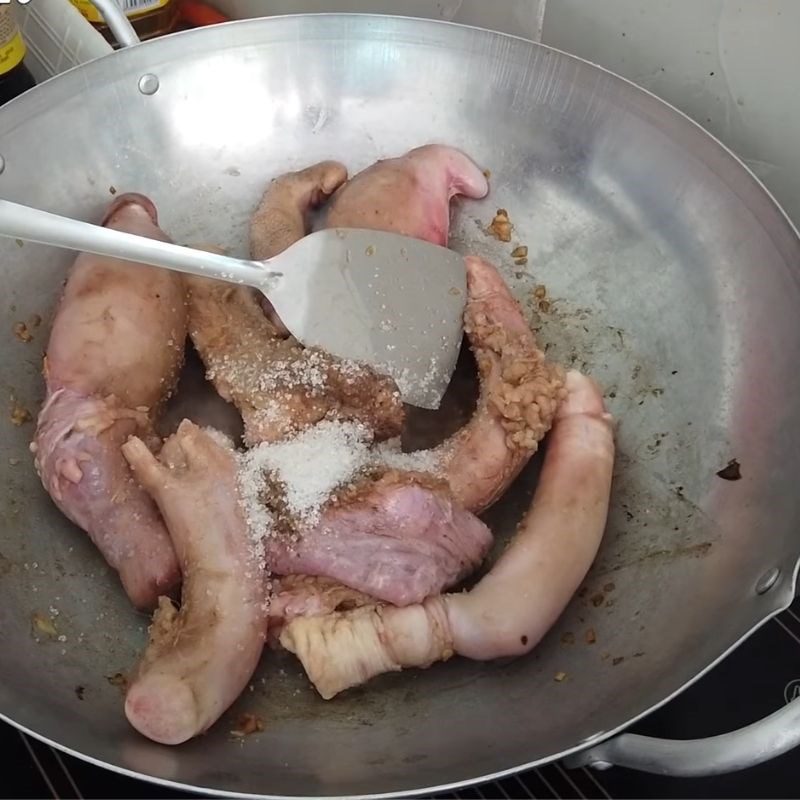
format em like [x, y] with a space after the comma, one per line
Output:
[690, 758]
[117, 21]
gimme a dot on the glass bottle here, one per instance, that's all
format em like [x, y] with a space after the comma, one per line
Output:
[150, 18]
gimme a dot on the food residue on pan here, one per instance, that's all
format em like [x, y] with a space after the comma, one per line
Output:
[23, 330]
[43, 625]
[247, 724]
[119, 680]
[19, 415]
[559, 677]
[731, 471]
[501, 227]
[22, 333]
[543, 303]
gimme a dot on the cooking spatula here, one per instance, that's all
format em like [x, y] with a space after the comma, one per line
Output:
[387, 300]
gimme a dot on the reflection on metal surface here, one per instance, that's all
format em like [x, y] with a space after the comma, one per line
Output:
[634, 302]
[767, 580]
[148, 84]
[791, 691]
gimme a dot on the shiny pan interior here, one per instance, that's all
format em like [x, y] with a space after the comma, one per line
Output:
[671, 276]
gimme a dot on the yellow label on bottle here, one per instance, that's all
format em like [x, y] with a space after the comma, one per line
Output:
[132, 8]
[11, 53]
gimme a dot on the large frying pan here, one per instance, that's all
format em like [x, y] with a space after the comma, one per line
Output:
[673, 278]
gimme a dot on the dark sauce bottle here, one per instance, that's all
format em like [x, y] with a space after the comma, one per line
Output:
[15, 78]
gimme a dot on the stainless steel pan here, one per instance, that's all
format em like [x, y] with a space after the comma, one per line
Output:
[672, 276]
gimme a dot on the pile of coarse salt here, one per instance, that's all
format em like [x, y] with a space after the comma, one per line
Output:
[259, 518]
[309, 371]
[389, 454]
[308, 468]
[311, 466]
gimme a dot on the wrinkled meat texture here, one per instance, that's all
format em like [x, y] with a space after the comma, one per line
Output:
[519, 388]
[200, 658]
[520, 391]
[402, 539]
[309, 596]
[409, 195]
[408, 528]
[282, 216]
[519, 394]
[508, 611]
[399, 539]
[113, 357]
[279, 386]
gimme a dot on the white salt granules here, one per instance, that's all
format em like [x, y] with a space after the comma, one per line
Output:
[267, 371]
[389, 454]
[260, 520]
[220, 438]
[311, 466]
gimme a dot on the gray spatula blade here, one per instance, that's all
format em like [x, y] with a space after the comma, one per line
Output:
[388, 300]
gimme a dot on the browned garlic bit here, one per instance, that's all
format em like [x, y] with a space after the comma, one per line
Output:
[19, 415]
[22, 333]
[501, 226]
[246, 724]
[520, 255]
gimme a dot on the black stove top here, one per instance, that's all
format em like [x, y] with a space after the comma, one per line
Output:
[753, 682]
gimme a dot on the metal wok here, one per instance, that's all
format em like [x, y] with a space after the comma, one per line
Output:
[672, 276]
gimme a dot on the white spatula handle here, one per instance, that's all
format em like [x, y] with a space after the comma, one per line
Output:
[33, 225]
